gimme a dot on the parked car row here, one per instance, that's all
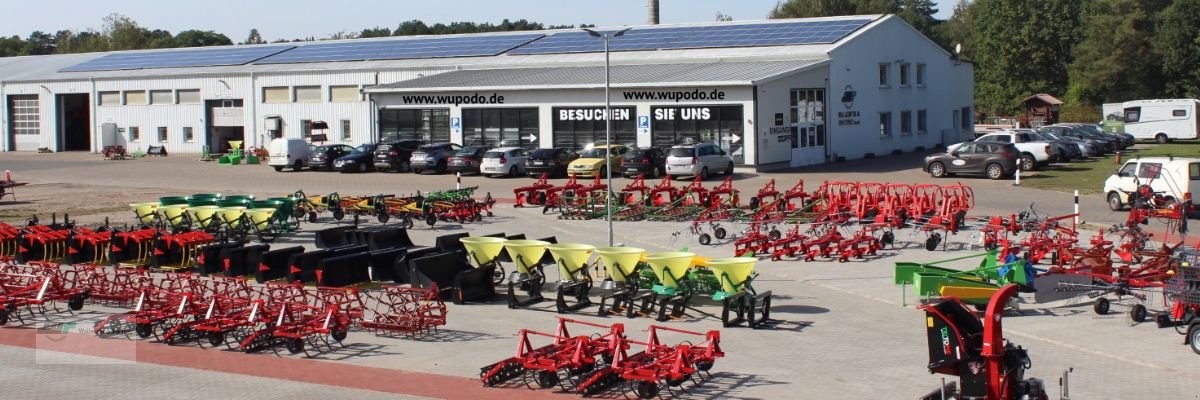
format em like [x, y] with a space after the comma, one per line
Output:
[1000, 154]
[703, 159]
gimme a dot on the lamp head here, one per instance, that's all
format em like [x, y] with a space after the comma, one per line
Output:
[592, 32]
[621, 32]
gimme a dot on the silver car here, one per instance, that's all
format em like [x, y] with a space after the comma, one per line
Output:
[698, 160]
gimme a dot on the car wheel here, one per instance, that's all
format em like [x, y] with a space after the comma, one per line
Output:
[937, 170]
[729, 170]
[656, 172]
[512, 171]
[441, 167]
[362, 167]
[1161, 138]
[297, 166]
[278, 168]
[1114, 202]
[704, 173]
[603, 172]
[994, 171]
[1028, 163]
[416, 171]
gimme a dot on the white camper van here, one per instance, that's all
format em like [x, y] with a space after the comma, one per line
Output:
[1174, 177]
[1161, 120]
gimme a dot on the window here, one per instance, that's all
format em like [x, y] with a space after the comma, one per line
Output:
[188, 96]
[345, 129]
[160, 97]
[108, 99]
[25, 116]
[162, 133]
[1127, 170]
[920, 75]
[720, 125]
[306, 128]
[885, 124]
[965, 121]
[308, 94]
[188, 134]
[884, 70]
[502, 127]
[1178, 113]
[1194, 171]
[275, 95]
[965, 149]
[922, 122]
[1150, 171]
[904, 75]
[135, 134]
[344, 93]
[430, 125]
[906, 122]
[137, 98]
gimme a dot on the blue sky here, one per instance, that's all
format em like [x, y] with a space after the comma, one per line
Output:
[319, 18]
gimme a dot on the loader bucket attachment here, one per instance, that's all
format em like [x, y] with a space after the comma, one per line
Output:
[571, 258]
[620, 262]
[670, 267]
[526, 253]
[483, 250]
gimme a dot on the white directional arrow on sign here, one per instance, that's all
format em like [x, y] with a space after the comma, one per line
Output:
[532, 138]
[735, 139]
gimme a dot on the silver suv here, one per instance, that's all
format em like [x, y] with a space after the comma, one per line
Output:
[698, 159]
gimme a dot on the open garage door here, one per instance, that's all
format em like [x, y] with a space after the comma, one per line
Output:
[74, 120]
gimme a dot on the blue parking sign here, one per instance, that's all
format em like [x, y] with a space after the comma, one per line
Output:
[456, 122]
[644, 121]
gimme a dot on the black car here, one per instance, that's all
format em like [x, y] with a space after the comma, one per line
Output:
[467, 159]
[552, 162]
[358, 160]
[393, 155]
[323, 156]
[649, 161]
[995, 160]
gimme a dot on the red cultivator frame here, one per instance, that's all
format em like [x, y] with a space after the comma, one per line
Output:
[559, 363]
[32, 292]
[657, 367]
[400, 310]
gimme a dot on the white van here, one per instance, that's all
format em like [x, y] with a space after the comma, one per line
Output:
[1161, 120]
[288, 153]
[1176, 178]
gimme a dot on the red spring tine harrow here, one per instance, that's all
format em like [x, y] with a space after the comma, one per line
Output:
[119, 287]
[230, 311]
[535, 194]
[559, 363]
[401, 310]
[156, 313]
[299, 326]
[48, 285]
[658, 367]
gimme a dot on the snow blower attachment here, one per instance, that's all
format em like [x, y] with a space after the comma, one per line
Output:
[737, 295]
[622, 265]
[989, 367]
[673, 288]
[574, 281]
[529, 277]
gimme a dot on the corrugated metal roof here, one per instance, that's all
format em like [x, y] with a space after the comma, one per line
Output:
[721, 73]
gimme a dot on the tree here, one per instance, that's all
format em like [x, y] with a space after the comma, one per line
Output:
[414, 27]
[956, 29]
[1178, 44]
[198, 38]
[1116, 32]
[920, 14]
[811, 8]
[375, 32]
[722, 17]
[124, 34]
[12, 46]
[39, 43]
[254, 38]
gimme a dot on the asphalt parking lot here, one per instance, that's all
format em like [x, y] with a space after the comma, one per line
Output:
[844, 330]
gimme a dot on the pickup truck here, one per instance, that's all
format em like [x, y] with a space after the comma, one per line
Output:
[1035, 152]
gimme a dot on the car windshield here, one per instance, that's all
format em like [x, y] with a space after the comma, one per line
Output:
[429, 147]
[493, 154]
[682, 152]
[1044, 136]
[466, 151]
[364, 148]
[543, 153]
[595, 152]
[636, 153]
[321, 149]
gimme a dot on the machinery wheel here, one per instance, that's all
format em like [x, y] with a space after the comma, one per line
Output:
[75, 303]
[1138, 313]
[933, 241]
[430, 219]
[887, 239]
[720, 233]
[407, 223]
[774, 234]
[215, 338]
[338, 214]
[1194, 337]
[704, 365]
[338, 334]
[3, 317]
[1114, 202]
[312, 217]
[143, 330]
[295, 345]
[646, 390]
[1101, 306]
[547, 379]
[705, 239]
[383, 216]
[937, 170]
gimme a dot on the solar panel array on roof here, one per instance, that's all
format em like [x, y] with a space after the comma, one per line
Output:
[733, 35]
[202, 57]
[397, 49]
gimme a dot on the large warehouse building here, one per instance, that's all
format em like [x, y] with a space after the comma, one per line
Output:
[771, 93]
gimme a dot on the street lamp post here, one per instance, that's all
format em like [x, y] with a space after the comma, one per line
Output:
[608, 124]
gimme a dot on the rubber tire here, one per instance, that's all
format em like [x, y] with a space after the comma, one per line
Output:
[1028, 163]
[295, 345]
[383, 217]
[646, 390]
[704, 239]
[416, 171]
[994, 171]
[338, 335]
[3, 317]
[704, 173]
[1101, 307]
[1138, 313]
[720, 233]
[143, 330]
[729, 170]
[774, 234]
[312, 217]
[512, 171]
[937, 170]
[338, 214]
[215, 338]
[1161, 138]
[1114, 202]
[656, 172]
[1194, 337]
[362, 167]
[603, 172]
[440, 168]
[75, 303]
[297, 166]
[278, 168]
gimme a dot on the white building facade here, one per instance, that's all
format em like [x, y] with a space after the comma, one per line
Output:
[879, 89]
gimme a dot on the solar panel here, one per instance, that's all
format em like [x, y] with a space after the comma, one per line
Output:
[733, 35]
[397, 49]
[199, 57]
